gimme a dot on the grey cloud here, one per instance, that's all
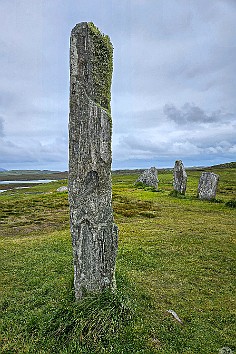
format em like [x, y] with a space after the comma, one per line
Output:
[145, 148]
[11, 152]
[190, 113]
[6, 99]
[136, 148]
[140, 120]
[206, 142]
[1, 127]
[164, 51]
[217, 135]
[182, 49]
[38, 152]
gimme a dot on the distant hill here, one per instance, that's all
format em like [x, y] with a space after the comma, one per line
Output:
[163, 170]
[226, 165]
[47, 174]
[26, 175]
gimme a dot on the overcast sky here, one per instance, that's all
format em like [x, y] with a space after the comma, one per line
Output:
[173, 91]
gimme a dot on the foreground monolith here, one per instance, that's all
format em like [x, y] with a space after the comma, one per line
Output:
[179, 177]
[94, 234]
[207, 186]
[149, 178]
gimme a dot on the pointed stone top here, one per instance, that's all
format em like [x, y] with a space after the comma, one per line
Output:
[80, 25]
[92, 62]
[149, 178]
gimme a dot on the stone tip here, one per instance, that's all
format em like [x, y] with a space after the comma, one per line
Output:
[79, 26]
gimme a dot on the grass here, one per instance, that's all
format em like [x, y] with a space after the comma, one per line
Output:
[39, 208]
[174, 253]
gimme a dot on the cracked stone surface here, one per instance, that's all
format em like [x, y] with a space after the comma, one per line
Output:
[149, 178]
[94, 233]
[180, 177]
[207, 186]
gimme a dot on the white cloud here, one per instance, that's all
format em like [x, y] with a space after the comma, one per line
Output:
[188, 132]
[189, 113]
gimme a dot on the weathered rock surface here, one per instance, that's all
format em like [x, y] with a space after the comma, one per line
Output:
[62, 189]
[149, 178]
[179, 177]
[94, 234]
[225, 350]
[208, 185]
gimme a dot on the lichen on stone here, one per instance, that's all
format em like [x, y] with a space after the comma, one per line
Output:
[102, 67]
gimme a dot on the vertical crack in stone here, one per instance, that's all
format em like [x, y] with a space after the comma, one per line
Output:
[94, 234]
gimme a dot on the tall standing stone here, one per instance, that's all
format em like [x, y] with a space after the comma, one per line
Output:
[94, 234]
[207, 186]
[149, 178]
[179, 177]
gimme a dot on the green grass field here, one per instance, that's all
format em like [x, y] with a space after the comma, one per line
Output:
[174, 254]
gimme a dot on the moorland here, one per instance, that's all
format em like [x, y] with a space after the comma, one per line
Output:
[175, 253]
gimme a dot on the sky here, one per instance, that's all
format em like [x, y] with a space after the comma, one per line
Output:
[173, 88]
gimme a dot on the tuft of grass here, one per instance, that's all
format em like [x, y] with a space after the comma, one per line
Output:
[143, 186]
[231, 203]
[176, 194]
[215, 200]
[39, 312]
[134, 207]
[89, 325]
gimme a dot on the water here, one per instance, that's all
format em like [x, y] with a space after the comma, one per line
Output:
[28, 182]
[25, 182]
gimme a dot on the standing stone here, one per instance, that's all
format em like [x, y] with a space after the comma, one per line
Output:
[180, 177]
[149, 178]
[208, 185]
[94, 234]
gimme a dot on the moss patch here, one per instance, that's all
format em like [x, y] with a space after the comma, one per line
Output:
[102, 67]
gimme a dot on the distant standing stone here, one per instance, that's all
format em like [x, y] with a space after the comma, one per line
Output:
[208, 185]
[62, 189]
[180, 177]
[149, 178]
[94, 233]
